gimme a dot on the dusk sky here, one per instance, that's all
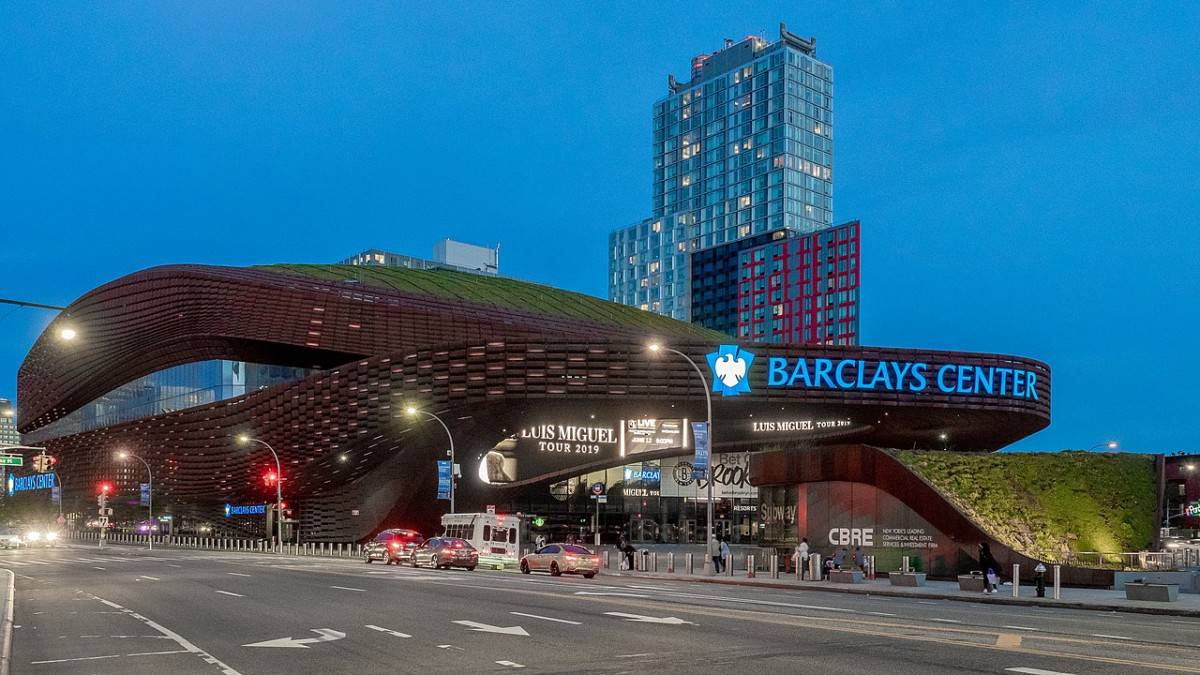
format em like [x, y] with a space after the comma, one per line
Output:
[1027, 175]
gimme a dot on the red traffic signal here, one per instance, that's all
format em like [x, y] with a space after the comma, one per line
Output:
[270, 478]
[104, 488]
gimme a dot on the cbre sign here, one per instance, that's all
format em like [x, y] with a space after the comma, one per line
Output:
[731, 371]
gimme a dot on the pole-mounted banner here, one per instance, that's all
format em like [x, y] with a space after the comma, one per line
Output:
[443, 474]
[700, 462]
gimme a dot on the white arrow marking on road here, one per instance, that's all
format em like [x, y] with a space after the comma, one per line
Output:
[388, 631]
[546, 618]
[623, 595]
[451, 647]
[1034, 671]
[510, 664]
[485, 628]
[638, 618]
[325, 635]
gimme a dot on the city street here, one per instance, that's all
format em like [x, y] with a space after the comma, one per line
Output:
[129, 610]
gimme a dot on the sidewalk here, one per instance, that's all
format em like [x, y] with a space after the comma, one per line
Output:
[1072, 598]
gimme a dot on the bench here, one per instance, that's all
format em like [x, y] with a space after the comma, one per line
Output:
[906, 578]
[846, 576]
[1152, 592]
[975, 583]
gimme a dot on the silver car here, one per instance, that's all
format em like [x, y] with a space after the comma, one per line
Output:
[562, 559]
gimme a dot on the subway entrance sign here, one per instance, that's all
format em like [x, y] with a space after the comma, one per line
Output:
[12, 460]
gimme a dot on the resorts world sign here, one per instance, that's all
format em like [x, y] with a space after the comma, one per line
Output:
[731, 370]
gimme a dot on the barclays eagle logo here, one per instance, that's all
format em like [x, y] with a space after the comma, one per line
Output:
[730, 364]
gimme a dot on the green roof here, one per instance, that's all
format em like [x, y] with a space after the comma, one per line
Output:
[499, 292]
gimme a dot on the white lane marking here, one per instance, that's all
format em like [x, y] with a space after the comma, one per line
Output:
[1034, 671]
[323, 635]
[388, 631]
[345, 588]
[881, 614]
[1021, 628]
[237, 574]
[174, 651]
[236, 595]
[486, 628]
[179, 639]
[178, 566]
[547, 618]
[634, 656]
[927, 602]
[97, 568]
[946, 620]
[81, 658]
[509, 664]
[451, 647]
[1111, 637]
[623, 595]
[769, 603]
[150, 578]
[638, 618]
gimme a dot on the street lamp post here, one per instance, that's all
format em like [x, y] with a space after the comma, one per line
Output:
[244, 439]
[150, 501]
[1111, 445]
[412, 410]
[655, 348]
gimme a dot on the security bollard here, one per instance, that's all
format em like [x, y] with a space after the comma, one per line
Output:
[814, 567]
[1016, 581]
[607, 560]
[654, 561]
[749, 566]
[688, 561]
[670, 562]
[729, 565]
[1057, 582]
[775, 566]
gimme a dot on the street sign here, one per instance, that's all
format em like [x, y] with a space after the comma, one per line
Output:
[700, 462]
[103, 521]
[12, 460]
[491, 509]
[597, 489]
[602, 499]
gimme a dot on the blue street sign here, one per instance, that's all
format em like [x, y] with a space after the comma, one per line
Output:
[145, 494]
[242, 510]
[700, 463]
[443, 474]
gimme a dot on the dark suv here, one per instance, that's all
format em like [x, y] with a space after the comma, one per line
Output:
[392, 546]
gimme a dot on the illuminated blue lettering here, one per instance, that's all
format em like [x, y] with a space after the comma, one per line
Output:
[1004, 373]
[823, 368]
[900, 373]
[840, 374]
[800, 372]
[983, 379]
[918, 372]
[964, 380]
[881, 375]
[1032, 380]
[776, 371]
[941, 378]
[1019, 383]
[862, 373]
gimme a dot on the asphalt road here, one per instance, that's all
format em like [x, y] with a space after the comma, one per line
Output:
[130, 611]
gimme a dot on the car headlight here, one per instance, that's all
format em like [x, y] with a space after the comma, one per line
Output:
[51, 536]
[34, 536]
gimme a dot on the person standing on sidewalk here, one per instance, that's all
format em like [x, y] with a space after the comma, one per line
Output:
[801, 556]
[990, 567]
[714, 552]
[725, 559]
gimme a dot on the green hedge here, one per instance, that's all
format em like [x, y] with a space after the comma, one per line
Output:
[1047, 505]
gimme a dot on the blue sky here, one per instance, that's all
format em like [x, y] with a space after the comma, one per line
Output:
[1026, 174]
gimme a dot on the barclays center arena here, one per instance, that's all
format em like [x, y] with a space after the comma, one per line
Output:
[545, 393]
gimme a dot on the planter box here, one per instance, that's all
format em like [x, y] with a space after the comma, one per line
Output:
[846, 576]
[1152, 592]
[907, 578]
[972, 582]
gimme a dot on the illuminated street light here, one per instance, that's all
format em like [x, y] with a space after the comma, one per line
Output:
[655, 348]
[1111, 445]
[67, 334]
[124, 455]
[245, 439]
[412, 411]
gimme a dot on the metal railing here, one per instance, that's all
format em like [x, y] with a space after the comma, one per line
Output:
[1156, 561]
[235, 544]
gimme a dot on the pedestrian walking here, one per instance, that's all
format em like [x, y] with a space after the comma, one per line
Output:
[860, 559]
[990, 567]
[839, 558]
[714, 552]
[628, 550]
[725, 559]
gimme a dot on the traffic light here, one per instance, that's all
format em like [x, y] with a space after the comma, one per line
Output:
[104, 488]
[269, 478]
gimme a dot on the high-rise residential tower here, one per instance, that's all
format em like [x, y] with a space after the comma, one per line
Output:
[744, 148]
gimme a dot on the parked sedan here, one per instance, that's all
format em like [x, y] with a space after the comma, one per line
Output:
[446, 552]
[10, 537]
[392, 546]
[562, 559]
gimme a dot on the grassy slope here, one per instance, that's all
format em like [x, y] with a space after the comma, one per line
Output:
[1047, 504]
[499, 292]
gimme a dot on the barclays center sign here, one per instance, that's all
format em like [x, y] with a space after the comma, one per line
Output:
[732, 369]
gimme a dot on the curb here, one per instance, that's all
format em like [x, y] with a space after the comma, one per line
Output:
[6, 627]
[1016, 602]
